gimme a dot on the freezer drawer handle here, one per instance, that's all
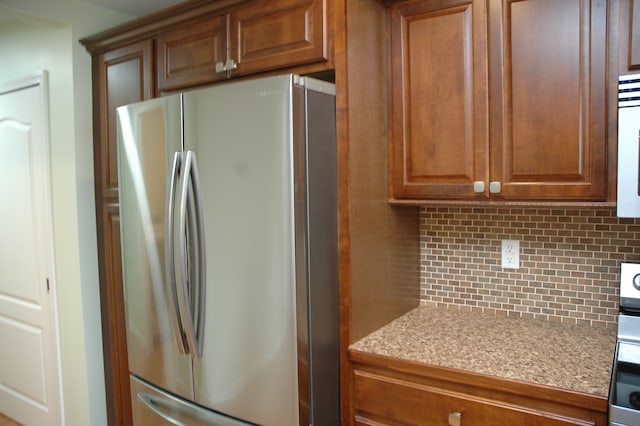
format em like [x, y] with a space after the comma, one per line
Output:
[152, 402]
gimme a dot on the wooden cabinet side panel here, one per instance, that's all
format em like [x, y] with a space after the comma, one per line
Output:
[121, 76]
[438, 91]
[276, 33]
[188, 55]
[549, 86]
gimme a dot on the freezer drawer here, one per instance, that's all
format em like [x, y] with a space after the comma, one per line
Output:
[153, 407]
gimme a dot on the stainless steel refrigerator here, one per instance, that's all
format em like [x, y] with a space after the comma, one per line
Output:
[228, 216]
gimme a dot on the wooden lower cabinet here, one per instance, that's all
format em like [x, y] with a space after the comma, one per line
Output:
[392, 392]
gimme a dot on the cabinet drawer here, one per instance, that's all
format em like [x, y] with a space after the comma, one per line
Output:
[385, 400]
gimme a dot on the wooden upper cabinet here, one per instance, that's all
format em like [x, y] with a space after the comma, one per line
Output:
[188, 55]
[258, 37]
[439, 137]
[548, 99]
[276, 33]
[533, 129]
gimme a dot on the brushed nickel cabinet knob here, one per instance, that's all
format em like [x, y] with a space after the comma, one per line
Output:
[455, 419]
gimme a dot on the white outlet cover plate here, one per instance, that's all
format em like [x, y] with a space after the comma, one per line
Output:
[511, 254]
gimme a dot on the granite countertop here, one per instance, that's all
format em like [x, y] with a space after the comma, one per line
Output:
[573, 357]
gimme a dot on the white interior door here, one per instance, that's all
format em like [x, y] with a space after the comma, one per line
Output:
[29, 367]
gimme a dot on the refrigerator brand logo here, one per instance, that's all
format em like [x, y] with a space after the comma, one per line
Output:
[271, 92]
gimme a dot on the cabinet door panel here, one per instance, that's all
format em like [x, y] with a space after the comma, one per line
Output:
[438, 99]
[125, 77]
[112, 301]
[188, 55]
[548, 103]
[277, 33]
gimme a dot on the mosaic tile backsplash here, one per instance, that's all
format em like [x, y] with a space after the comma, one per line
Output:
[569, 261]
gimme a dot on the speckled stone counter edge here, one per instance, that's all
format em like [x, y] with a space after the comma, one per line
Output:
[565, 356]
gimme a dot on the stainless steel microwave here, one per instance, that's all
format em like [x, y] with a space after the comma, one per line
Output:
[629, 146]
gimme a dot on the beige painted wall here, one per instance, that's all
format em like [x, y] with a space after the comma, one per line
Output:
[43, 35]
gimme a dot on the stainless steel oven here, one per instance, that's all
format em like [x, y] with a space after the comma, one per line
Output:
[628, 146]
[624, 392]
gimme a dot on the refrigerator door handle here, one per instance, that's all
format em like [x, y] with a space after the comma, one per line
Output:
[171, 286]
[152, 403]
[192, 257]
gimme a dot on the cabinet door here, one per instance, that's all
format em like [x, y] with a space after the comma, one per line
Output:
[439, 140]
[124, 76]
[278, 33]
[121, 77]
[187, 56]
[548, 95]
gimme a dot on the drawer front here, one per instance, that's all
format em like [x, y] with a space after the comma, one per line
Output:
[398, 402]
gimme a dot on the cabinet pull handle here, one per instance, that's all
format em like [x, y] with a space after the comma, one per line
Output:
[478, 187]
[230, 65]
[455, 419]
[226, 67]
[495, 187]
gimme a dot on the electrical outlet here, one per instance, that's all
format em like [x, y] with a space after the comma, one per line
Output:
[511, 254]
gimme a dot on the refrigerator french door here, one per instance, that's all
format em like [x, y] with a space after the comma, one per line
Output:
[228, 216]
